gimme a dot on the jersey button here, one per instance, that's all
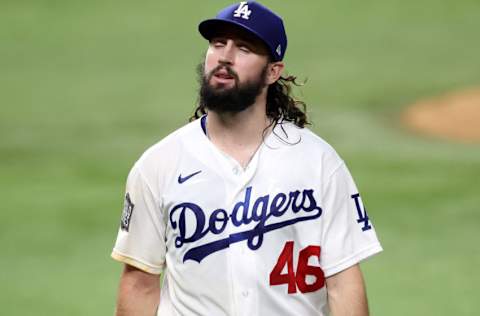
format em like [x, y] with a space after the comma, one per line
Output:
[245, 293]
[236, 171]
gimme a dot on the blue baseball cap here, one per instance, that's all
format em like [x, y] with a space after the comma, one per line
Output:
[254, 18]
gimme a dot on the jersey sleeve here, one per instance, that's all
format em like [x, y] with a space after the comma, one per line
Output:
[348, 233]
[141, 236]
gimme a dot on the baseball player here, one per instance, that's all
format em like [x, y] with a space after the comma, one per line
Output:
[244, 210]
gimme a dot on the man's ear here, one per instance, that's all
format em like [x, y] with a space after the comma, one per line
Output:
[274, 72]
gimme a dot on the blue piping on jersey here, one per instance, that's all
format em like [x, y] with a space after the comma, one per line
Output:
[203, 122]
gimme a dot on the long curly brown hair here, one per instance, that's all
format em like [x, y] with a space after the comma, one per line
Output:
[281, 105]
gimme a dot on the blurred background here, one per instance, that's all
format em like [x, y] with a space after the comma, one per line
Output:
[87, 86]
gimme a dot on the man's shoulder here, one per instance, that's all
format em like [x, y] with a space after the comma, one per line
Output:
[174, 138]
[167, 150]
[303, 144]
[302, 137]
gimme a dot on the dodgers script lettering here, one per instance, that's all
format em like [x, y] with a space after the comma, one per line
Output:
[265, 211]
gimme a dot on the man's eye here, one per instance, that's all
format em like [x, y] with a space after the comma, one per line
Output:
[218, 43]
[244, 49]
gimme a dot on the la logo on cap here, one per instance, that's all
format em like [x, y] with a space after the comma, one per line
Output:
[242, 11]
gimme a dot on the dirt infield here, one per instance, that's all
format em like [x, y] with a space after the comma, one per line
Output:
[454, 116]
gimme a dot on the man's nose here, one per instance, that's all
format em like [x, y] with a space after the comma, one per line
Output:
[228, 53]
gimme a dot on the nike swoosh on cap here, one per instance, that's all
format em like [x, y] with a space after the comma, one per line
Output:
[183, 179]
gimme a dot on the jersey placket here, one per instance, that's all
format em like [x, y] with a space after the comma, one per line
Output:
[241, 260]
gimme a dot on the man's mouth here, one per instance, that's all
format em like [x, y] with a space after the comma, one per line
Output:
[223, 76]
[224, 73]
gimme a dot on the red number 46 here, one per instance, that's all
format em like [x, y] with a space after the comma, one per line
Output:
[298, 278]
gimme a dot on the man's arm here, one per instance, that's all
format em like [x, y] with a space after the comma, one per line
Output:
[346, 293]
[138, 293]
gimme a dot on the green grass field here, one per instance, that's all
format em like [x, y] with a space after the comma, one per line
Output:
[86, 86]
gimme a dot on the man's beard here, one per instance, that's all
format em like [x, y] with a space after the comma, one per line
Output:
[228, 100]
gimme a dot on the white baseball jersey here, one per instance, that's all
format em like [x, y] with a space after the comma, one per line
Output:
[235, 241]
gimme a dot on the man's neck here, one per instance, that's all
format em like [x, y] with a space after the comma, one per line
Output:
[240, 134]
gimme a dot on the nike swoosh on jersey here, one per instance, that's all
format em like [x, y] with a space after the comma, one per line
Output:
[183, 179]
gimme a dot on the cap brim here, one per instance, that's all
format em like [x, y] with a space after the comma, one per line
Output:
[210, 28]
